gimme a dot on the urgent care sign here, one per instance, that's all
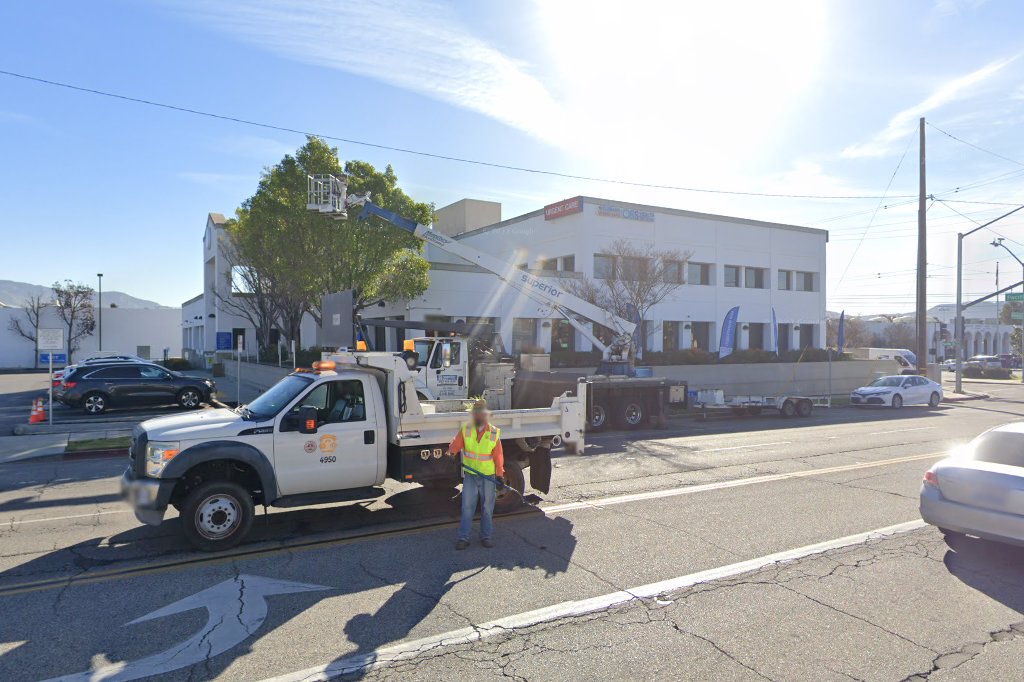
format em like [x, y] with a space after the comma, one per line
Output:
[563, 208]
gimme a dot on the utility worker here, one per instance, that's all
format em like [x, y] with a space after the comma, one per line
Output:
[480, 445]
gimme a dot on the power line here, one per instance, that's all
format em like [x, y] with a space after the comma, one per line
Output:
[416, 152]
[974, 146]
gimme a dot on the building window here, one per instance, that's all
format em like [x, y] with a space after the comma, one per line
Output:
[674, 271]
[670, 335]
[785, 280]
[238, 338]
[698, 273]
[568, 263]
[563, 337]
[633, 268]
[732, 275]
[808, 334]
[547, 264]
[523, 266]
[701, 333]
[804, 281]
[524, 334]
[437, 319]
[755, 278]
[755, 336]
[604, 266]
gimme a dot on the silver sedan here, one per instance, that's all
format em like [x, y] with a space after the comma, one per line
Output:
[980, 489]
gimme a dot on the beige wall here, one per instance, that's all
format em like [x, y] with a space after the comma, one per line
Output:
[465, 215]
[807, 378]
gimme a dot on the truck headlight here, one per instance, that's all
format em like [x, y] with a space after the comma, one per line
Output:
[158, 454]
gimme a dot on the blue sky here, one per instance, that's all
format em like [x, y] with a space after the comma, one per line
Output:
[800, 97]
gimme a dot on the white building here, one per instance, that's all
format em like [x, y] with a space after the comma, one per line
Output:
[752, 264]
[983, 333]
[146, 332]
[203, 316]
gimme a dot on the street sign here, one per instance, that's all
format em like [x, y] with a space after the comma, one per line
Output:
[59, 358]
[1010, 298]
[949, 344]
[1017, 315]
[50, 339]
[223, 340]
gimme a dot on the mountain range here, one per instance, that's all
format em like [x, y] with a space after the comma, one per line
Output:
[14, 294]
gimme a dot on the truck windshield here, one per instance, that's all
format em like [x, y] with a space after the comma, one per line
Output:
[278, 396]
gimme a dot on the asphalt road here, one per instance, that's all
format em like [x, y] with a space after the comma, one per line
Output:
[760, 548]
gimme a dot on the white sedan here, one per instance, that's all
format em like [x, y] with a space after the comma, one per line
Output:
[897, 391]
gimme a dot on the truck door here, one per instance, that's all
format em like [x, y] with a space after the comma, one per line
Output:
[447, 370]
[345, 452]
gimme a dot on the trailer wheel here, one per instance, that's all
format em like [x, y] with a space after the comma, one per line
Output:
[788, 409]
[631, 414]
[804, 408]
[507, 500]
[598, 416]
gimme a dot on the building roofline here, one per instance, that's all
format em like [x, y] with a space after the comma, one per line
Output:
[192, 300]
[657, 209]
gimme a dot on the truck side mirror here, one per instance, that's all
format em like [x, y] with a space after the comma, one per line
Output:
[307, 419]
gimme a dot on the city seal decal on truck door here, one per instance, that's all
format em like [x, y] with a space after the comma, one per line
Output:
[310, 446]
[328, 443]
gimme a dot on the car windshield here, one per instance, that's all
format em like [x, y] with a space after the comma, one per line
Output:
[887, 381]
[280, 394]
[999, 447]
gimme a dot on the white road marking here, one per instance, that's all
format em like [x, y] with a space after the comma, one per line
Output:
[919, 428]
[18, 522]
[411, 649]
[744, 447]
[720, 485]
[236, 608]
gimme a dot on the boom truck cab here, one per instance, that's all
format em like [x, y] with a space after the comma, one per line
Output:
[333, 433]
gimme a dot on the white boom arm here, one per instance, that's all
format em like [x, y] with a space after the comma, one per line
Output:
[545, 290]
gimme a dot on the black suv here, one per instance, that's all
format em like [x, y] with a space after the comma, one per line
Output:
[131, 384]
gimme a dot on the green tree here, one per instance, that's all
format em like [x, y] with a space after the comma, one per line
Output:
[1006, 311]
[302, 255]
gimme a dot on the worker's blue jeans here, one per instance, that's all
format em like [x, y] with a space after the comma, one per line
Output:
[474, 489]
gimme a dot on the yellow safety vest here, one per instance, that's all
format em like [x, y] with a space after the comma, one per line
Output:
[477, 454]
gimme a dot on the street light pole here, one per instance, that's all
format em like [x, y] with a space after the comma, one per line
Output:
[99, 306]
[958, 326]
[997, 243]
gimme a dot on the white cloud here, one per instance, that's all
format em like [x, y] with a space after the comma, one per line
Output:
[886, 141]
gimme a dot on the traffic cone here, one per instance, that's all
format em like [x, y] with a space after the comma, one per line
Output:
[38, 414]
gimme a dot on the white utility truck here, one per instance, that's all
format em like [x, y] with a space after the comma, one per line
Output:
[330, 434]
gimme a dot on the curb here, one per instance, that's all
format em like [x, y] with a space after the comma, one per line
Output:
[75, 427]
[966, 398]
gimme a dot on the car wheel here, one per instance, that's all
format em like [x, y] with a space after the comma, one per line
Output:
[933, 401]
[189, 399]
[217, 515]
[897, 401]
[94, 403]
[507, 500]
[598, 417]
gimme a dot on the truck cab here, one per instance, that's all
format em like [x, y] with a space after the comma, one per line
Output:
[442, 367]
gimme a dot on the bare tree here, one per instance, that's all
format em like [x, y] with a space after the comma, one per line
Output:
[634, 278]
[250, 292]
[855, 333]
[73, 303]
[33, 308]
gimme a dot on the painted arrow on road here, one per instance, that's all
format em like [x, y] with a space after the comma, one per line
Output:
[237, 608]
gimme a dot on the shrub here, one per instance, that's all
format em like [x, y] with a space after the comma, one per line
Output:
[177, 364]
[306, 357]
[972, 372]
[1001, 373]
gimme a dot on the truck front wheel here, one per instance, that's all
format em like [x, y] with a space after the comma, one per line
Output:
[507, 500]
[217, 515]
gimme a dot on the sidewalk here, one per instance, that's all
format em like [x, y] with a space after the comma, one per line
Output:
[19, 448]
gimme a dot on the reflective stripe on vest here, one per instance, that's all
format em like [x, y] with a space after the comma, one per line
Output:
[477, 455]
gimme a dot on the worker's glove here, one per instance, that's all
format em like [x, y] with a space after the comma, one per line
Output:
[500, 481]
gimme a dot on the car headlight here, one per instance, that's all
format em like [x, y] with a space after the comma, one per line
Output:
[158, 454]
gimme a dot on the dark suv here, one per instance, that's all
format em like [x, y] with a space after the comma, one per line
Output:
[130, 384]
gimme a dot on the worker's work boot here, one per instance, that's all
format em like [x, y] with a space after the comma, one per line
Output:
[461, 544]
[487, 542]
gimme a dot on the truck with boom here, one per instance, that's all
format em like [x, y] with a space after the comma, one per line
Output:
[617, 395]
[333, 433]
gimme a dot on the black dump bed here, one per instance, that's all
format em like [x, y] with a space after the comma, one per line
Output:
[537, 389]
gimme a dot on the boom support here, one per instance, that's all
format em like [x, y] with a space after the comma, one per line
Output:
[544, 290]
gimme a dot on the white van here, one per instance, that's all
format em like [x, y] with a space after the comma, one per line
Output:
[906, 359]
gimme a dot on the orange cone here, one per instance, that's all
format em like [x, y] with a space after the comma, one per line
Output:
[36, 416]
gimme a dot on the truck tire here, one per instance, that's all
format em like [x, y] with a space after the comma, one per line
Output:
[598, 416]
[804, 408]
[630, 414]
[507, 500]
[217, 515]
[788, 409]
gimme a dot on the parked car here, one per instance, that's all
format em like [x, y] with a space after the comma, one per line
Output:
[72, 371]
[984, 362]
[59, 374]
[949, 365]
[980, 489]
[897, 391]
[96, 388]
[1009, 360]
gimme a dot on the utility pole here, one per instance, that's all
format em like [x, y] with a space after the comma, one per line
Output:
[922, 264]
